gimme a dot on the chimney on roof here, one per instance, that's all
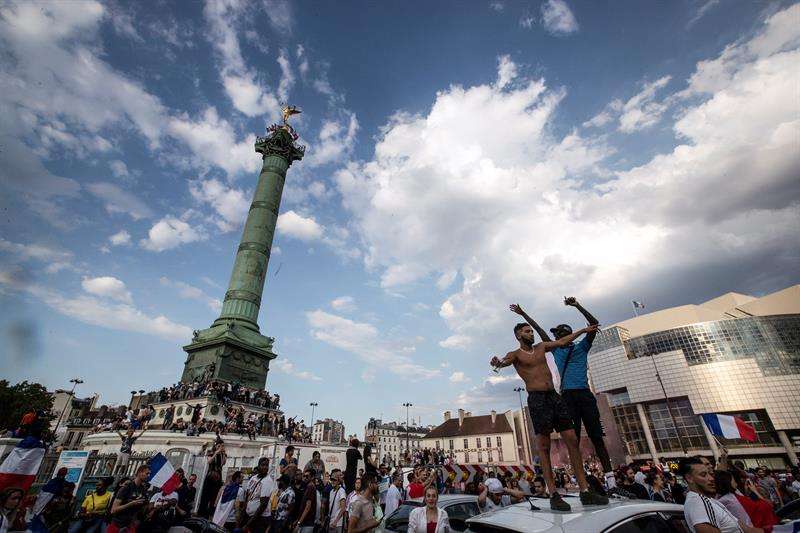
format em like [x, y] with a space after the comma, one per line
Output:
[460, 417]
[446, 416]
[468, 414]
[494, 416]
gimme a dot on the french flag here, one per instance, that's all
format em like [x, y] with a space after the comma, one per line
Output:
[162, 474]
[20, 467]
[729, 427]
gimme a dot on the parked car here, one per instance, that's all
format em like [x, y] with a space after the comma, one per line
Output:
[790, 511]
[619, 516]
[459, 508]
[197, 525]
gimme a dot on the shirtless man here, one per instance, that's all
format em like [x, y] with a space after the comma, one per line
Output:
[547, 410]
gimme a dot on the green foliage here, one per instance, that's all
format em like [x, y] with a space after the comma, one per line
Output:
[16, 400]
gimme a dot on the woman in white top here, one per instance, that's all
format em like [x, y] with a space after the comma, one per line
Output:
[420, 517]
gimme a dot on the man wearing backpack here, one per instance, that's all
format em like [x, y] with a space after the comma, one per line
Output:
[572, 364]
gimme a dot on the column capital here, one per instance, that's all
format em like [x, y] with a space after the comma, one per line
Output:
[280, 141]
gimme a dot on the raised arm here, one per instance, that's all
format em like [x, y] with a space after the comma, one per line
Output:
[573, 302]
[508, 360]
[518, 310]
[564, 341]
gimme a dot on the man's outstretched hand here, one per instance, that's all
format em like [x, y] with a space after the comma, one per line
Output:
[516, 309]
[592, 328]
[495, 361]
[570, 301]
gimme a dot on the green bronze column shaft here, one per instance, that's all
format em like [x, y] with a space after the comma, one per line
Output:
[246, 286]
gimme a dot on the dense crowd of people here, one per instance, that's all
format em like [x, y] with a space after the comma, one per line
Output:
[223, 392]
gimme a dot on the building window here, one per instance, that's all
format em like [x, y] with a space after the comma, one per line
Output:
[499, 442]
[478, 442]
[451, 444]
[437, 444]
[490, 456]
[630, 428]
[480, 456]
[466, 444]
[666, 435]
[466, 457]
[488, 442]
[773, 341]
[500, 455]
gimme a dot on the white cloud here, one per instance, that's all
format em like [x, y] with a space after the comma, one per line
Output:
[335, 142]
[119, 169]
[506, 71]
[88, 94]
[242, 85]
[37, 252]
[107, 287]
[285, 366]
[527, 22]
[558, 18]
[90, 310]
[213, 141]
[641, 111]
[117, 200]
[121, 238]
[344, 303]
[294, 225]
[365, 341]
[458, 377]
[287, 76]
[599, 120]
[230, 204]
[701, 11]
[728, 193]
[170, 232]
[190, 292]
[280, 14]
[496, 5]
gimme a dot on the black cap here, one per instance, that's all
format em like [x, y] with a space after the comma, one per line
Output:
[560, 327]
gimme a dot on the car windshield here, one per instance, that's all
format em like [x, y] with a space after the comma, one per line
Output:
[398, 520]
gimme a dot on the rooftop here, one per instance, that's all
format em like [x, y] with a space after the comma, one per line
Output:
[724, 307]
[473, 425]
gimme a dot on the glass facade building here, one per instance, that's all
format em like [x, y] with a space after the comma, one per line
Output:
[747, 364]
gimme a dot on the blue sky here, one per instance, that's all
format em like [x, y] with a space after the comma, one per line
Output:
[461, 156]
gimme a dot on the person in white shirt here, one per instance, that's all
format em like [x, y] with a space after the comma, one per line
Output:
[336, 502]
[429, 513]
[703, 513]
[394, 495]
[494, 495]
[259, 489]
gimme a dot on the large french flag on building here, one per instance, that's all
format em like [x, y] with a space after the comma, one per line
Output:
[162, 474]
[729, 427]
[20, 467]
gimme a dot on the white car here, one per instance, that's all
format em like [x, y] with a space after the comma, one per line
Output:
[459, 508]
[619, 516]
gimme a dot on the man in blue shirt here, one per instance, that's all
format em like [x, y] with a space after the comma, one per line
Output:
[571, 361]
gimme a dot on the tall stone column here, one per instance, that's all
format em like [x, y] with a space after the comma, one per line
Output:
[233, 349]
[243, 297]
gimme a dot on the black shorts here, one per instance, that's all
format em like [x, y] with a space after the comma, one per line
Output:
[548, 412]
[582, 407]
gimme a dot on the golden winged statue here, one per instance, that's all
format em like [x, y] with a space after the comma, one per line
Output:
[288, 111]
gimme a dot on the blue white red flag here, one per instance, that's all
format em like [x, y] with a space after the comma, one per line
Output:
[20, 467]
[163, 475]
[729, 427]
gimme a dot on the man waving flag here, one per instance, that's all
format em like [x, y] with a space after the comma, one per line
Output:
[162, 474]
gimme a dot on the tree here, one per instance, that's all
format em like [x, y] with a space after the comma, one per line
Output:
[16, 400]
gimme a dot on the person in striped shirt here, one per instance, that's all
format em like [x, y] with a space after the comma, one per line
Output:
[703, 513]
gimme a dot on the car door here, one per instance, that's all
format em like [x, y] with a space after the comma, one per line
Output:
[458, 513]
[642, 523]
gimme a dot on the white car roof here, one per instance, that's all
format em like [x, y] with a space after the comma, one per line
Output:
[592, 518]
[447, 499]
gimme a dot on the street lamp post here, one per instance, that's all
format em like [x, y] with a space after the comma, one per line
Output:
[75, 382]
[313, 407]
[407, 406]
[527, 436]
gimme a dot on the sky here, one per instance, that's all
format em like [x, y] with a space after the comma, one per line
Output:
[461, 156]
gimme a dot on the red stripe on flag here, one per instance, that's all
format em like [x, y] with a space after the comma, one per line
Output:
[19, 481]
[171, 484]
[746, 431]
